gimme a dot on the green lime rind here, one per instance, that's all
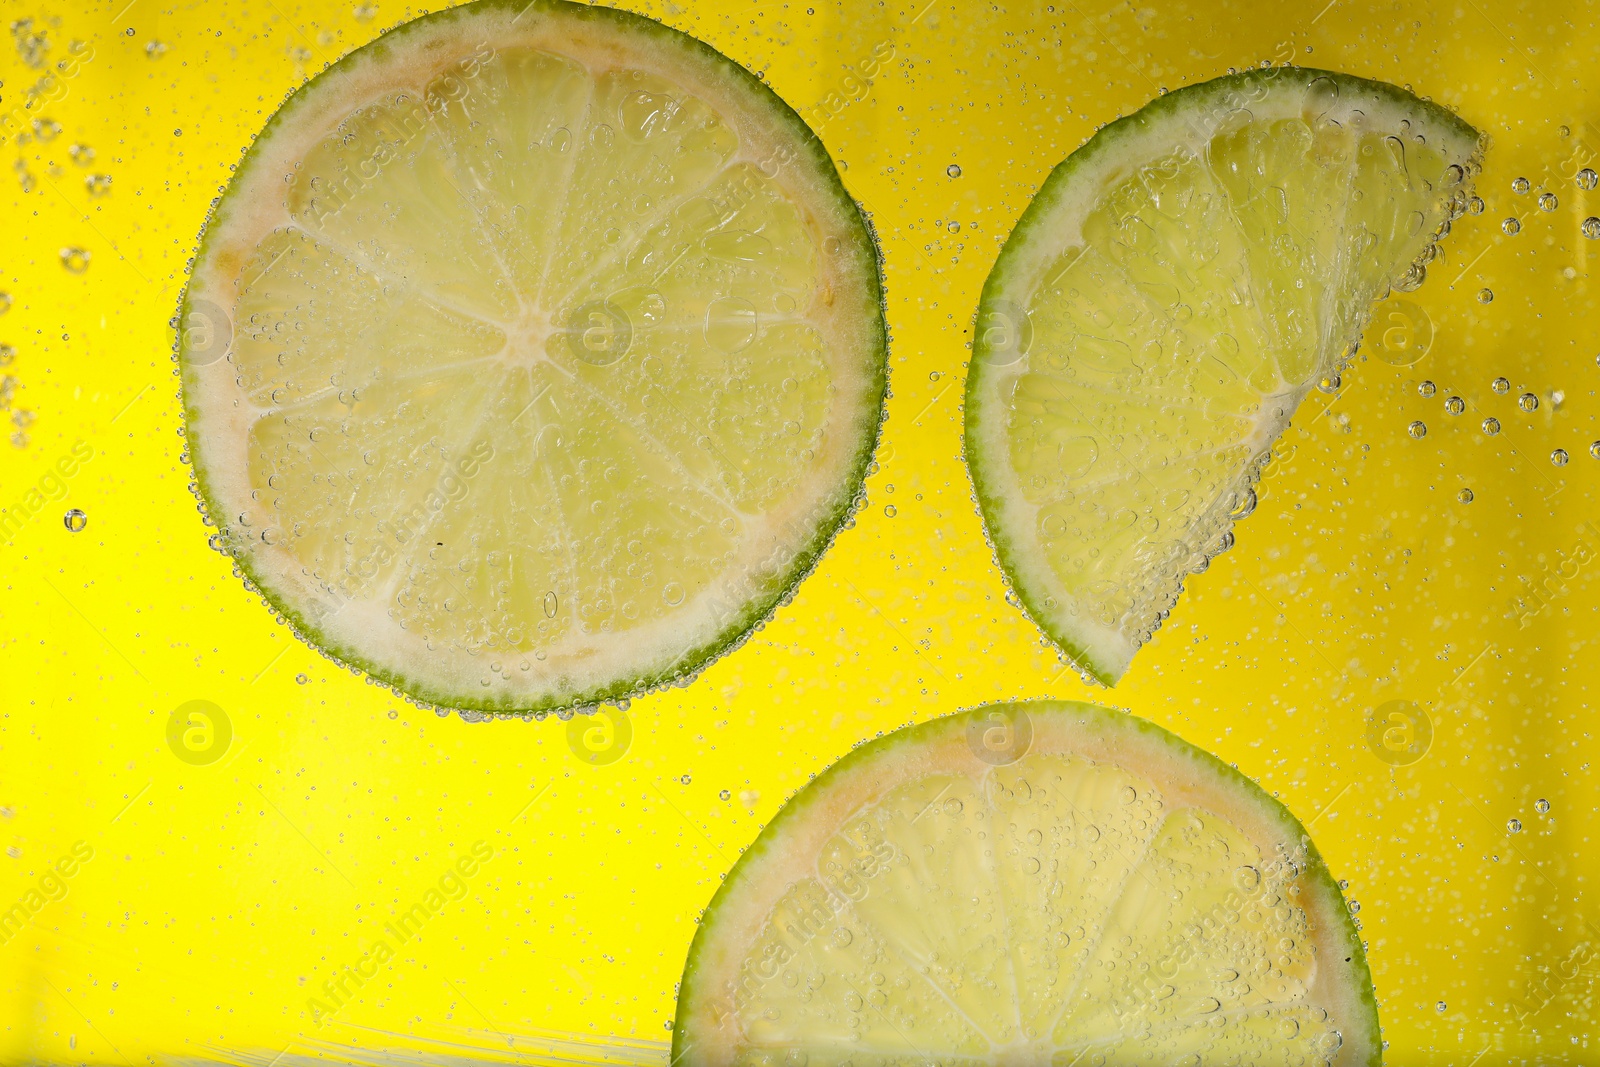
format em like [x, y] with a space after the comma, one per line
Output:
[864, 250]
[1327, 902]
[1033, 226]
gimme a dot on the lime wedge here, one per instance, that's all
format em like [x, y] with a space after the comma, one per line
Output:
[1024, 884]
[533, 356]
[1174, 290]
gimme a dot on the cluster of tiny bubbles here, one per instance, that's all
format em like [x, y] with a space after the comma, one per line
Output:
[1513, 826]
[1547, 201]
[953, 170]
[1541, 805]
[1465, 496]
[1485, 295]
[1528, 402]
[75, 520]
[1501, 386]
[1475, 205]
[1587, 178]
[1491, 426]
[1519, 185]
[155, 49]
[1511, 227]
[75, 259]
[1417, 428]
[1591, 228]
[1426, 388]
[1559, 457]
[1455, 405]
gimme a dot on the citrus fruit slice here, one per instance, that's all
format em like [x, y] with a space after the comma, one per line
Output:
[1039, 883]
[533, 355]
[1173, 291]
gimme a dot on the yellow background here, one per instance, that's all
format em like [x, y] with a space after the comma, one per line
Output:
[220, 897]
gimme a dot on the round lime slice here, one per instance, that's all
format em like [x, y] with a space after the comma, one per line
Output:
[1040, 883]
[533, 355]
[1175, 289]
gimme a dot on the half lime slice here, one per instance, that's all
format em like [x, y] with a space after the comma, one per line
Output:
[1175, 289]
[533, 355]
[1040, 883]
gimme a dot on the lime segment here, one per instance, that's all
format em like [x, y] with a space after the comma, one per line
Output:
[1169, 297]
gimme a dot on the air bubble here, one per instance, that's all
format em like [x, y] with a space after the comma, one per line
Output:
[1587, 178]
[1511, 227]
[1559, 457]
[5, 303]
[1426, 388]
[1441, 1007]
[301, 679]
[155, 49]
[1547, 201]
[953, 170]
[81, 154]
[1475, 205]
[76, 260]
[1417, 429]
[1591, 228]
[1465, 496]
[1330, 384]
[75, 520]
[1541, 805]
[1485, 296]
[97, 184]
[1501, 386]
[954, 227]
[724, 795]
[1519, 185]
[684, 780]
[1594, 450]
[1528, 402]
[1491, 426]
[1513, 826]
[890, 510]
[1455, 405]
